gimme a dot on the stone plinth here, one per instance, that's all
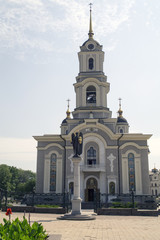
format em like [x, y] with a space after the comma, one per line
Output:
[76, 202]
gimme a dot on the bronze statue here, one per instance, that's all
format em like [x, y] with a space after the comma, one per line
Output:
[77, 142]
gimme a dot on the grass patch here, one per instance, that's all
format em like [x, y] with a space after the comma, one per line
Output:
[47, 206]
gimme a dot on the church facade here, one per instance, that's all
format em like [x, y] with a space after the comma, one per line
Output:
[114, 161]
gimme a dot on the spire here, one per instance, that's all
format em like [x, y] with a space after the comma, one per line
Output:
[120, 110]
[90, 23]
[68, 111]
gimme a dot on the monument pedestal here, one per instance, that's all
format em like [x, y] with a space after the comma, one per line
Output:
[76, 206]
[76, 202]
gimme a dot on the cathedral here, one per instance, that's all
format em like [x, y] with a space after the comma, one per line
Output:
[114, 161]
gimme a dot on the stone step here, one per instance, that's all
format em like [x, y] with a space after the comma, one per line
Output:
[87, 205]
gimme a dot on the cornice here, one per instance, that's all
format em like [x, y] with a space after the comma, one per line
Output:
[91, 79]
[135, 136]
[46, 138]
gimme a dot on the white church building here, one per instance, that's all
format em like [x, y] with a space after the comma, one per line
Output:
[114, 161]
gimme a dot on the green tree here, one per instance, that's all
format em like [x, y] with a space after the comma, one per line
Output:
[30, 185]
[5, 177]
[16, 181]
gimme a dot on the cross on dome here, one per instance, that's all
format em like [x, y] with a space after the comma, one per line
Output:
[68, 111]
[90, 23]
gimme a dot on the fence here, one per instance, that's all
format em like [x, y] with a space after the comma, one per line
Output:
[60, 199]
[125, 201]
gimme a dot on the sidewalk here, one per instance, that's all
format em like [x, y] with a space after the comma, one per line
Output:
[104, 227]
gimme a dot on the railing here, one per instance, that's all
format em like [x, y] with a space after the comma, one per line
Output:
[93, 168]
[60, 199]
[126, 200]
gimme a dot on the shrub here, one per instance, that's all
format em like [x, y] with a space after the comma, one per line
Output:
[123, 205]
[21, 230]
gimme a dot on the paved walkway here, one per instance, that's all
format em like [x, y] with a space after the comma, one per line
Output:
[104, 227]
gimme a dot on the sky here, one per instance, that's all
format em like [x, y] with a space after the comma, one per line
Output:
[39, 41]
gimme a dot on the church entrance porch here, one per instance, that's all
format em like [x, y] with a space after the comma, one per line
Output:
[91, 189]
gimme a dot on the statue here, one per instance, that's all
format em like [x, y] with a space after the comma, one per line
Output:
[77, 142]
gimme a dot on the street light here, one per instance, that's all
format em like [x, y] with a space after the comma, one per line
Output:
[132, 194]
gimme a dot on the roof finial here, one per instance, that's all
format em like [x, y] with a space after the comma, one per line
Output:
[120, 110]
[68, 111]
[90, 23]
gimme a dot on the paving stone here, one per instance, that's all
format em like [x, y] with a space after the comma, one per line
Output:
[103, 228]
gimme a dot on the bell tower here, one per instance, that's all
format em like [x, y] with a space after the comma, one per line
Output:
[91, 85]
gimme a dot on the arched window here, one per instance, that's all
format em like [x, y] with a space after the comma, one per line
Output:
[53, 172]
[131, 172]
[91, 156]
[112, 188]
[91, 94]
[91, 63]
[121, 130]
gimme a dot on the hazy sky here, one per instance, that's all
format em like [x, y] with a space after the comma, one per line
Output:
[39, 41]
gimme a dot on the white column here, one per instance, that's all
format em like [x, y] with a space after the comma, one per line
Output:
[125, 181]
[138, 178]
[76, 202]
[102, 182]
[59, 176]
[46, 176]
[76, 166]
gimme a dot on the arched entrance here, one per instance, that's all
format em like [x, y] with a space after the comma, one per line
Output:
[91, 189]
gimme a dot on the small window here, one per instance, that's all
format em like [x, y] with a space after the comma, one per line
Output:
[91, 63]
[112, 188]
[121, 130]
[91, 156]
[91, 94]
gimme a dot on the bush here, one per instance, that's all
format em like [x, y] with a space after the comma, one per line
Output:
[21, 230]
[123, 205]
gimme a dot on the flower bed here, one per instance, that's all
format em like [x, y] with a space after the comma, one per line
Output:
[21, 230]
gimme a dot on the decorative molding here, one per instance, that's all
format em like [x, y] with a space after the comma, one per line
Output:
[134, 145]
[91, 176]
[91, 80]
[71, 162]
[48, 156]
[135, 136]
[125, 155]
[48, 138]
[51, 145]
[111, 158]
[94, 137]
[91, 129]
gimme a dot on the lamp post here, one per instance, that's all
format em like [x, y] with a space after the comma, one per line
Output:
[132, 194]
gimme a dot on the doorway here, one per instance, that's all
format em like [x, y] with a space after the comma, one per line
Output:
[91, 189]
[90, 195]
